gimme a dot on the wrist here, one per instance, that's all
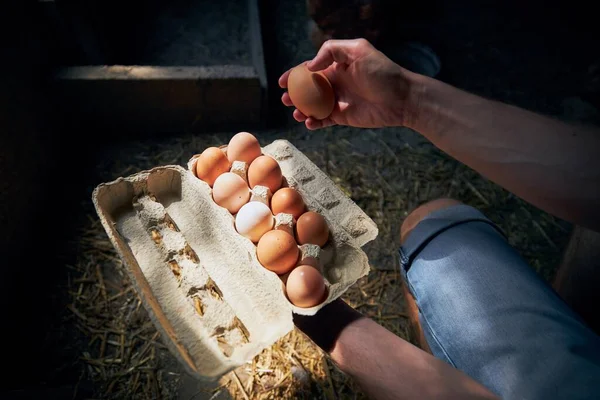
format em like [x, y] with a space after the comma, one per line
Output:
[413, 93]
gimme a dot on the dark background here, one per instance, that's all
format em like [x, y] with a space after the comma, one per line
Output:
[539, 55]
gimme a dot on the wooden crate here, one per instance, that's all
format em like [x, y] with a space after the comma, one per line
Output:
[170, 91]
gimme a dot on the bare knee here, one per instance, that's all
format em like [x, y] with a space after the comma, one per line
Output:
[421, 212]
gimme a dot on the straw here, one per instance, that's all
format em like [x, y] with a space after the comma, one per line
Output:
[123, 356]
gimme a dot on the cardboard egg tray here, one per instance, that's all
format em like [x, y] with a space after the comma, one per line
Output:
[200, 280]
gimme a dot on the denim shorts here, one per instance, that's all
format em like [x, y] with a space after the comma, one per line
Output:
[486, 312]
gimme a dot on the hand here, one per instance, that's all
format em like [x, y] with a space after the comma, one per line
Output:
[371, 90]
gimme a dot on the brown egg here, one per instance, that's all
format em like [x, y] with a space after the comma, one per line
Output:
[312, 228]
[211, 163]
[311, 92]
[231, 191]
[305, 287]
[289, 201]
[277, 251]
[284, 279]
[265, 171]
[243, 147]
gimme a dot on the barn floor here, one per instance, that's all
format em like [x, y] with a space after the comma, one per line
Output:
[386, 172]
[101, 343]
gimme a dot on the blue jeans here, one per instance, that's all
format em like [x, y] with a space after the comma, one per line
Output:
[486, 312]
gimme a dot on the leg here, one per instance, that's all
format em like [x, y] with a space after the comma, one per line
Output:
[578, 277]
[408, 225]
[482, 308]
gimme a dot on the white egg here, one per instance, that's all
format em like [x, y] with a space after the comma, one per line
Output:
[253, 220]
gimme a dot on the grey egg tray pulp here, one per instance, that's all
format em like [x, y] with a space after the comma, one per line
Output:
[200, 280]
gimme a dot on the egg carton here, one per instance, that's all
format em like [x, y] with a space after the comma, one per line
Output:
[200, 280]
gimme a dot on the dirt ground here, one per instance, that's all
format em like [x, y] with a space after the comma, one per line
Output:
[387, 173]
[539, 58]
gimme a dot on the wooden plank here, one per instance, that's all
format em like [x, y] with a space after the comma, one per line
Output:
[161, 99]
[578, 278]
[137, 72]
[258, 58]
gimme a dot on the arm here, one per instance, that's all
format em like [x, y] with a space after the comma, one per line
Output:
[548, 163]
[384, 365]
[551, 164]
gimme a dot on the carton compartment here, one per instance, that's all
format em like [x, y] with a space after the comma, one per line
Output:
[204, 276]
[201, 291]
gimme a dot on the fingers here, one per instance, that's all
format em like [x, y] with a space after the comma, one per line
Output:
[286, 100]
[310, 122]
[314, 124]
[298, 116]
[340, 51]
[284, 78]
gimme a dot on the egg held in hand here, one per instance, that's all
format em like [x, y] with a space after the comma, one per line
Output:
[243, 147]
[265, 171]
[253, 220]
[288, 201]
[311, 228]
[277, 251]
[305, 287]
[210, 164]
[311, 92]
[230, 191]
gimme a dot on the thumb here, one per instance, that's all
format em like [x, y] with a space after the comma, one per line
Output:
[340, 51]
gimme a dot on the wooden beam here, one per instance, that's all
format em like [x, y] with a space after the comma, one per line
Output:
[257, 53]
[258, 58]
[161, 99]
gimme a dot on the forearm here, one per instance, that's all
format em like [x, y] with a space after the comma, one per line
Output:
[551, 164]
[384, 365]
